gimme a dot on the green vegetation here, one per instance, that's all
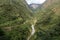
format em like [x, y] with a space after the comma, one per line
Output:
[16, 19]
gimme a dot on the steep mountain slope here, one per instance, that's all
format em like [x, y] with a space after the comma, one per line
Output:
[13, 14]
[47, 26]
[13, 9]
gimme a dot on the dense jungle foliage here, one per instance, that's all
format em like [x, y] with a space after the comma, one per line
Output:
[16, 19]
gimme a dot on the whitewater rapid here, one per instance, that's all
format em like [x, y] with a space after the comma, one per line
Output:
[32, 33]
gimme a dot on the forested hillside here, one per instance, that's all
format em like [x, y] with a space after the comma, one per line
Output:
[19, 22]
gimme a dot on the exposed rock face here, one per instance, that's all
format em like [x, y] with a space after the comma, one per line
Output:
[49, 3]
[54, 5]
[34, 6]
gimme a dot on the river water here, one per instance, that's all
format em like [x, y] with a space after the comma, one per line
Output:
[32, 32]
